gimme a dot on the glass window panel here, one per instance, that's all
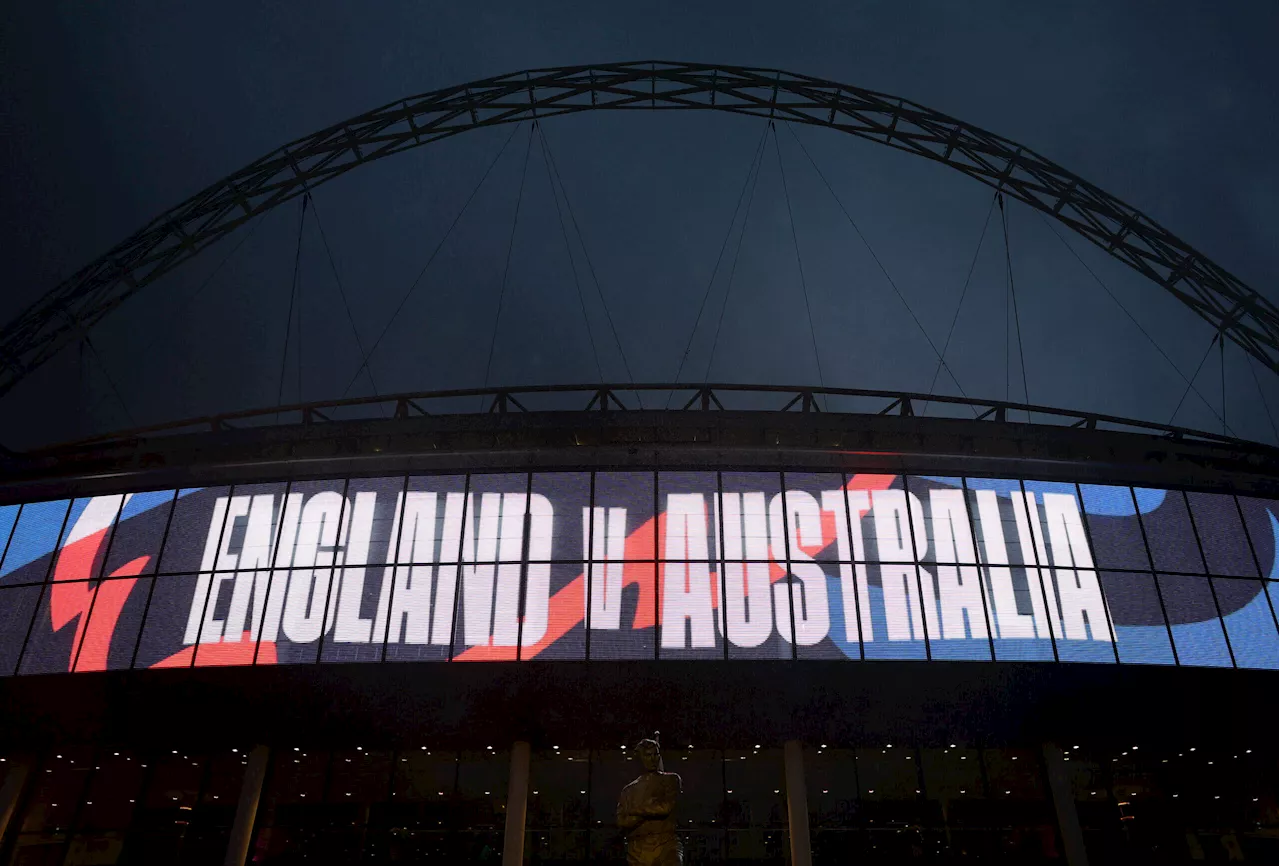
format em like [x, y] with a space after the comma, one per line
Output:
[558, 783]
[1260, 522]
[420, 619]
[114, 622]
[424, 775]
[482, 788]
[611, 771]
[955, 608]
[896, 620]
[139, 532]
[431, 528]
[1015, 773]
[359, 776]
[34, 538]
[944, 517]
[818, 536]
[751, 514]
[888, 774]
[1057, 524]
[490, 576]
[221, 791]
[260, 528]
[8, 518]
[1141, 634]
[113, 791]
[623, 609]
[559, 589]
[56, 790]
[295, 783]
[689, 582]
[195, 529]
[889, 532]
[17, 606]
[1169, 531]
[172, 622]
[701, 802]
[1251, 628]
[819, 531]
[1193, 620]
[356, 624]
[1080, 620]
[758, 611]
[1016, 608]
[1114, 525]
[952, 774]
[173, 787]
[1222, 535]
[831, 777]
[755, 791]
[315, 536]
[82, 548]
[494, 527]
[560, 533]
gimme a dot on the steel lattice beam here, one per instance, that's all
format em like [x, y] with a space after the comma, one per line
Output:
[63, 315]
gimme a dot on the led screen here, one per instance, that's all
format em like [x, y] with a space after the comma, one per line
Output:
[638, 565]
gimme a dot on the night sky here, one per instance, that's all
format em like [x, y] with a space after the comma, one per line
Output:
[111, 113]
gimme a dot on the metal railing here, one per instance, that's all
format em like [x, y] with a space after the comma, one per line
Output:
[662, 397]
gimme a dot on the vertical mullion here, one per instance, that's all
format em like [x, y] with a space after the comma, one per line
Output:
[589, 556]
[8, 539]
[659, 571]
[213, 575]
[724, 582]
[1213, 592]
[88, 614]
[1155, 578]
[1093, 557]
[1032, 513]
[915, 564]
[786, 552]
[526, 524]
[1248, 540]
[155, 577]
[845, 481]
[271, 570]
[44, 587]
[977, 558]
[343, 541]
[457, 580]
[391, 571]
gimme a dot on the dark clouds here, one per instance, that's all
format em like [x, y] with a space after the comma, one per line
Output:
[110, 113]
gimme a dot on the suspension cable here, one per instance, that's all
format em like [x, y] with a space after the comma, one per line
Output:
[591, 268]
[93, 350]
[511, 243]
[1261, 397]
[1013, 293]
[960, 304]
[342, 292]
[568, 248]
[1097, 279]
[288, 320]
[364, 362]
[876, 259]
[1194, 376]
[795, 243]
[757, 155]
[733, 265]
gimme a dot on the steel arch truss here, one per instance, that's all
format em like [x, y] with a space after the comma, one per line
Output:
[63, 316]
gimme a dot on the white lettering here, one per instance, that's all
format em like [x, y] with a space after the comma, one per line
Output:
[900, 583]
[958, 587]
[211, 542]
[748, 602]
[686, 575]
[809, 594]
[1084, 612]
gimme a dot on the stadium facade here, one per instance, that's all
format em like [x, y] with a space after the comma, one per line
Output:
[996, 641]
[864, 635]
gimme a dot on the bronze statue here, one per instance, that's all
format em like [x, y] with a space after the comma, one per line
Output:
[645, 811]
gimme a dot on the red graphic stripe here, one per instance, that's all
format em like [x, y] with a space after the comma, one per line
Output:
[222, 654]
